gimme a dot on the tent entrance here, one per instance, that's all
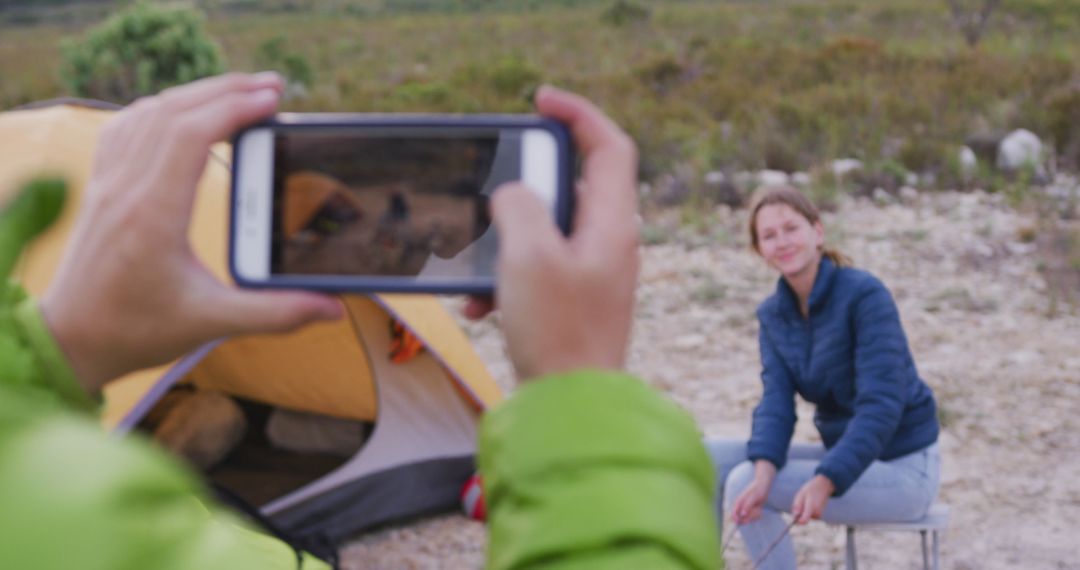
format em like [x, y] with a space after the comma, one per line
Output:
[256, 451]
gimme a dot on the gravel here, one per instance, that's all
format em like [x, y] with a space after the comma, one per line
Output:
[1001, 356]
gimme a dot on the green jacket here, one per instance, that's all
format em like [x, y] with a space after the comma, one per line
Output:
[586, 470]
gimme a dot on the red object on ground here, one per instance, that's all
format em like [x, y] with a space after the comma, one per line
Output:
[472, 499]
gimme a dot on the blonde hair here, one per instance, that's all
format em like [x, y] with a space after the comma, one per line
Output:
[791, 197]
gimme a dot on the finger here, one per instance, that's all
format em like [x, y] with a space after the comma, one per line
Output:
[252, 312]
[196, 93]
[218, 118]
[140, 120]
[610, 165]
[188, 138]
[523, 223]
[801, 511]
[478, 306]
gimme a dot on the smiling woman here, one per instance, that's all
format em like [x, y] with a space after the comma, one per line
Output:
[786, 231]
[831, 334]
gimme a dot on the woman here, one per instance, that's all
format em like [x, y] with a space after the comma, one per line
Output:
[831, 334]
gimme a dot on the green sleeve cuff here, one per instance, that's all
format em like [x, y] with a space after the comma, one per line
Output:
[582, 470]
[56, 374]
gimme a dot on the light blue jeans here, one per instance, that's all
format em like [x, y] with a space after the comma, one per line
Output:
[897, 490]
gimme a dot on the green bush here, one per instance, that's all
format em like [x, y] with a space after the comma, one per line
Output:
[140, 51]
[512, 77]
[625, 12]
[1063, 110]
[273, 55]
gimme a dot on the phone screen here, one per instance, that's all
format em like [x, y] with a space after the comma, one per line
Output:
[386, 203]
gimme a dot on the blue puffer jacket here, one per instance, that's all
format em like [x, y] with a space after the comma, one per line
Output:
[851, 359]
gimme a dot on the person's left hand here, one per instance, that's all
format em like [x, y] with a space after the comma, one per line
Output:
[810, 501]
[130, 292]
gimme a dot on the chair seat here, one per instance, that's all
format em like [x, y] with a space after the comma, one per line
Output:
[937, 518]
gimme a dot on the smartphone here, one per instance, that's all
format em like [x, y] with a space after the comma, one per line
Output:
[386, 203]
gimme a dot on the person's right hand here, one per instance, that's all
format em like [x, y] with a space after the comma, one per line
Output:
[567, 303]
[748, 505]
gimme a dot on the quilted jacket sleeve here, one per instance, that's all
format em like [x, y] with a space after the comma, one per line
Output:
[596, 470]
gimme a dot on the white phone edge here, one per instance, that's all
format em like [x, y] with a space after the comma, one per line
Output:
[254, 205]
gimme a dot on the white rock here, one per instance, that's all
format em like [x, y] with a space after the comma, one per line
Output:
[1023, 357]
[1021, 147]
[982, 250]
[882, 197]
[908, 194]
[772, 178]
[911, 179]
[801, 179]
[690, 341]
[843, 166]
[968, 161]
[714, 178]
[1018, 248]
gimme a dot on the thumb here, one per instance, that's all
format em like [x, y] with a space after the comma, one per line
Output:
[254, 312]
[522, 221]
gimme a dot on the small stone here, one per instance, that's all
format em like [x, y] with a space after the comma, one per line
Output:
[883, 198]
[909, 195]
[969, 163]
[773, 178]
[690, 341]
[841, 167]
[715, 178]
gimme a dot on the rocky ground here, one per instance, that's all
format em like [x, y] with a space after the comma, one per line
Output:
[994, 328]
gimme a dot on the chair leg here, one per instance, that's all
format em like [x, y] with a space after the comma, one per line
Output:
[925, 554]
[937, 552]
[851, 561]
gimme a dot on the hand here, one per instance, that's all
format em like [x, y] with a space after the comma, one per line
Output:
[567, 303]
[748, 505]
[810, 501]
[130, 292]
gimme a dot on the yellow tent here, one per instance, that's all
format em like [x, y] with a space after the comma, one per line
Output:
[424, 410]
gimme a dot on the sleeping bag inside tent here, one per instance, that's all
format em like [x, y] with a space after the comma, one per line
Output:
[333, 429]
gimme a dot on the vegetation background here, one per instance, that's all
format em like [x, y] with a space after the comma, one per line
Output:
[702, 86]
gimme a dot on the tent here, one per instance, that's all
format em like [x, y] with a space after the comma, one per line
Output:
[424, 408]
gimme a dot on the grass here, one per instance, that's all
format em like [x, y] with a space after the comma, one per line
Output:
[700, 85]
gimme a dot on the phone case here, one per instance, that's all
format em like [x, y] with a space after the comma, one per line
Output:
[563, 205]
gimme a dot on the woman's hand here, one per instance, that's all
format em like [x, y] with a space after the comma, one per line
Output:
[748, 505]
[810, 501]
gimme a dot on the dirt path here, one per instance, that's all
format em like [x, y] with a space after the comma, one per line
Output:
[1003, 360]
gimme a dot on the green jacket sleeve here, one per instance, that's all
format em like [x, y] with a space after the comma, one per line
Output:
[71, 496]
[596, 470]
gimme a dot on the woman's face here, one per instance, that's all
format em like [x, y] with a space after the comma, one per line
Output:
[787, 240]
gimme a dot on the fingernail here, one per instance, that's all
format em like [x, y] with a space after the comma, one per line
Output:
[540, 91]
[265, 96]
[267, 76]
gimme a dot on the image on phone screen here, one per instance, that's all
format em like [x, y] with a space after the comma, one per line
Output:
[373, 204]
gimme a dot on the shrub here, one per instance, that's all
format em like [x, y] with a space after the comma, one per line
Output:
[661, 73]
[140, 51]
[1063, 109]
[510, 78]
[272, 54]
[513, 76]
[625, 12]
